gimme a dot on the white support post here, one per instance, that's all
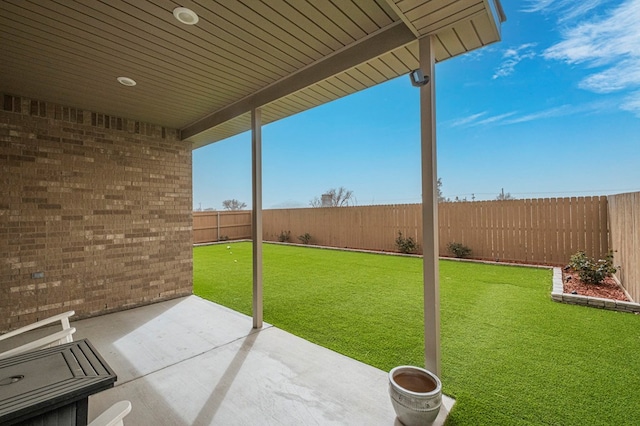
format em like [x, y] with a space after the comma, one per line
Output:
[256, 217]
[430, 208]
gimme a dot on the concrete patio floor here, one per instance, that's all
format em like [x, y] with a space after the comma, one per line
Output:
[189, 361]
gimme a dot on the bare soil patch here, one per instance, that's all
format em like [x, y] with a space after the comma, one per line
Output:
[608, 289]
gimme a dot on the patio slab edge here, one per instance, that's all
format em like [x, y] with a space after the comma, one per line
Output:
[558, 295]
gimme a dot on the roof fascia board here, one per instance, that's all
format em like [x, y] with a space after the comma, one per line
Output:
[496, 15]
[376, 44]
[392, 4]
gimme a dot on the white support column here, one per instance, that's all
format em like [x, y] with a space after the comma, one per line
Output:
[430, 209]
[256, 217]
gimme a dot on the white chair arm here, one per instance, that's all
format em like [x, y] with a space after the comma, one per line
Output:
[63, 336]
[113, 415]
[63, 318]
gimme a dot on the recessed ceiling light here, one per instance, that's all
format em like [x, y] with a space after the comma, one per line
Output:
[186, 16]
[126, 81]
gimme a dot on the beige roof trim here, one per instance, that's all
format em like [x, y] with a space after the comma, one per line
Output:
[392, 4]
[376, 44]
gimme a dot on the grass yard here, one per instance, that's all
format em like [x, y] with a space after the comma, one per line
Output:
[510, 356]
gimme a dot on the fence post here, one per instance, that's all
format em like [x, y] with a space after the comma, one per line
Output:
[218, 226]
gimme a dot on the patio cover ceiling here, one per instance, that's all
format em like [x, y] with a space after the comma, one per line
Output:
[285, 56]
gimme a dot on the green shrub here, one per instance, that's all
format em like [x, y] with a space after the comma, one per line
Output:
[406, 245]
[459, 249]
[284, 237]
[305, 238]
[592, 271]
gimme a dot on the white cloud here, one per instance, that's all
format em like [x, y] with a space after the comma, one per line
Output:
[563, 111]
[467, 120]
[479, 54]
[632, 103]
[601, 41]
[494, 119]
[619, 77]
[478, 120]
[549, 113]
[576, 9]
[514, 117]
[512, 57]
[611, 44]
[537, 5]
[565, 9]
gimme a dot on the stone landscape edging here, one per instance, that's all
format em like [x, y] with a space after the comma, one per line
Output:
[558, 295]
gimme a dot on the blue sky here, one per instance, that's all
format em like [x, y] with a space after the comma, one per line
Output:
[551, 111]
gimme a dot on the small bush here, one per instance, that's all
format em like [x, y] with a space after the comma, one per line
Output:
[592, 271]
[305, 238]
[284, 237]
[459, 250]
[406, 245]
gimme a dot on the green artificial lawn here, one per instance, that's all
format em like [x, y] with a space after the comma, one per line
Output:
[510, 355]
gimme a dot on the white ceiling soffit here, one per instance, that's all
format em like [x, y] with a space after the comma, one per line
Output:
[284, 55]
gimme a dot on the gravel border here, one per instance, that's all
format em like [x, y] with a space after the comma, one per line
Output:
[558, 295]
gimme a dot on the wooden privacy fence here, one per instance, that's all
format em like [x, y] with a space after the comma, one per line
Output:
[365, 227]
[218, 226]
[624, 219]
[546, 231]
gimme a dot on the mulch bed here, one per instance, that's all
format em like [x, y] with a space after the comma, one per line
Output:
[608, 289]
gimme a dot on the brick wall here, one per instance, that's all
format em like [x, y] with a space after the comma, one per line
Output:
[98, 205]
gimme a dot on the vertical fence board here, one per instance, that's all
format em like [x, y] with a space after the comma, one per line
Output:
[566, 225]
[512, 236]
[503, 228]
[581, 229]
[549, 238]
[518, 232]
[526, 223]
[542, 230]
[536, 231]
[553, 234]
[588, 228]
[493, 224]
[604, 228]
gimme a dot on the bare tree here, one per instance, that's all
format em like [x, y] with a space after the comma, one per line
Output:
[503, 196]
[233, 205]
[441, 198]
[340, 197]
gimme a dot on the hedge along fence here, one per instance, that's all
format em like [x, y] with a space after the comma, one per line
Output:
[546, 231]
[624, 219]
